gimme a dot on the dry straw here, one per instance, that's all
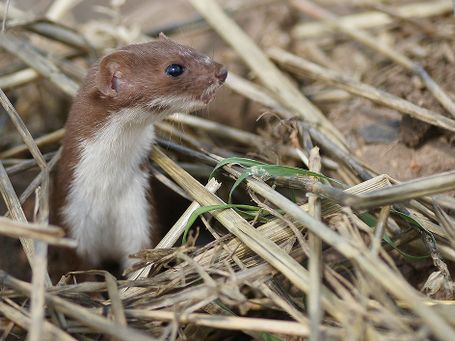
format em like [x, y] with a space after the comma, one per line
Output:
[325, 265]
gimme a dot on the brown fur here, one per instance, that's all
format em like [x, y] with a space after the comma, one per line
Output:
[138, 72]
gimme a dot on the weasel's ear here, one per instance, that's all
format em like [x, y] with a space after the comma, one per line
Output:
[113, 72]
[162, 36]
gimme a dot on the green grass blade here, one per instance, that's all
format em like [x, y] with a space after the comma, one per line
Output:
[371, 221]
[206, 209]
[240, 179]
[277, 170]
[262, 169]
[236, 161]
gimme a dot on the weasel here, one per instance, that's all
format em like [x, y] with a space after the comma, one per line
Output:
[101, 182]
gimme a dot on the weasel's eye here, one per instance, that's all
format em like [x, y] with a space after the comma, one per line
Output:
[175, 70]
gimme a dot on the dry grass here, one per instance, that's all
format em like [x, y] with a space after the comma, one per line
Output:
[314, 258]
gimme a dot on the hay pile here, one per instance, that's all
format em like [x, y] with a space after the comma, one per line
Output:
[320, 246]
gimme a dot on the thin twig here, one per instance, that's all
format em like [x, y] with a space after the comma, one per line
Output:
[372, 19]
[5, 15]
[264, 69]
[391, 52]
[315, 258]
[245, 232]
[77, 312]
[306, 68]
[17, 45]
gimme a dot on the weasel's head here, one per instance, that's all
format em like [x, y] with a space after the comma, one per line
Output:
[162, 75]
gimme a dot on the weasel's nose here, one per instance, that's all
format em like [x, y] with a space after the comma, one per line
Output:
[222, 74]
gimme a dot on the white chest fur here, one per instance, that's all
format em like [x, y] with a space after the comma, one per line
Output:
[107, 208]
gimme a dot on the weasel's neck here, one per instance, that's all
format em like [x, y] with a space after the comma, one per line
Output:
[106, 205]
[117, 149]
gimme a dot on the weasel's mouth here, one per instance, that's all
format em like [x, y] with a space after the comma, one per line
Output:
[209, 93]
[207, 98]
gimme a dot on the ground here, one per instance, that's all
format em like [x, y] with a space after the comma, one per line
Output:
[404, 155]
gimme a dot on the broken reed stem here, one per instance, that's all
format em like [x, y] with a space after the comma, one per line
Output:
[224, 322]
[39, 268]
[256, 93]
[78, 313]
[398, 18]
[265, 287]
[304, 183]
[59, 8]
[18, 78]
[379, 230]
[366, 39]
[50, 331]
[40, 277]
[28, 75]
[60, 33]
[22, 129]
[373, 266]
[5, 15]
[37, 259]
[306, 68]
[12, 12]
[198, 23]
[38, 254]
[38, 179]
[24, 165]
[372, 19]
[260, 95]
[116, 303]
[39, 271]
[315, 257]
[239, 227]
[269, 289]
[446, 222]
[41, 141]
[433, 184]
[122, 321]
[178, 228]
[169, 239]
[15, 209]
[265, 70]
[224, 131]
[22, 48]
[50, 234]
[349, 160]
